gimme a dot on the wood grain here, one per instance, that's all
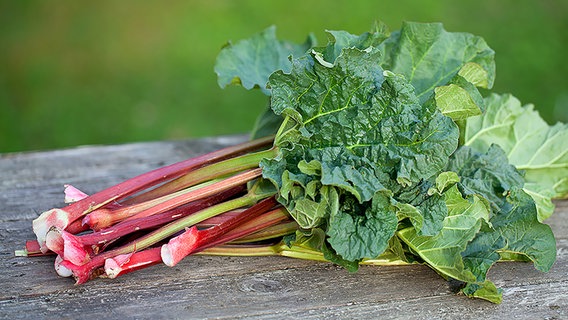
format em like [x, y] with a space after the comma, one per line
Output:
[230, 287]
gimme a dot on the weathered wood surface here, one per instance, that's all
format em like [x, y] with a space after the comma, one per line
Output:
[225, 287]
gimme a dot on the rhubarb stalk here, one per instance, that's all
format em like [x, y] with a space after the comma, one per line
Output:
[193, 240]
[61, 218]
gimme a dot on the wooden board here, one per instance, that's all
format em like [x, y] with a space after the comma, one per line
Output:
[231, 287]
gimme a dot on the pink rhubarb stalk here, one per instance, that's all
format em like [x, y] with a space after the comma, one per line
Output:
[206, 173]
[201, 193]
[73, 194]
[126, 263]
[84, 272]
[193, 240]
[126, 227]
[123, 264]
[61, 218]
[74, 250]
[67, 246]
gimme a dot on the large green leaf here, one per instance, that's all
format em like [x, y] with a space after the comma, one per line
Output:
[355, 110]
[459, 99]
[430, 57]
[353, 128]
[249, 62]
[443, 251]
[536, 148]
[513, 231]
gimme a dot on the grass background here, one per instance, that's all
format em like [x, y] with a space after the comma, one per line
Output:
[107, 72]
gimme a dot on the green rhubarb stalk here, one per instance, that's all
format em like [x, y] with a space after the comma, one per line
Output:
[272, 232]
[212, 171]
[281, 249]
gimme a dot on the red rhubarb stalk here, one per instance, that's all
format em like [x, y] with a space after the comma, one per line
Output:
[127, 263]
[206, 173]
[71, 249]
[193, 240]
[61, 218]
[123, 264]
[201, 193]
[103, 218]
[84, 272]
[126, 227]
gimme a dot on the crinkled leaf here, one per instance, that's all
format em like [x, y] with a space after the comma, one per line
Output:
[353, 108]
[423, 205]
[352, 128]
[430, 57]
[358, 231]
[249, 62]
[330, 255]
[315, 239]
[426, 218]
[443, 251]
[434, 211]
[481, 253]
[307, 200]
[340, 168]
[408, 211]
[488, 174]
[444, 181]
[536, 148]
[522, 233]
[513, 232]
[513, 228]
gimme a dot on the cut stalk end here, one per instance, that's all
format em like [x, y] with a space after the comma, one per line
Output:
[21, 253]
[67, 246]
[42, 225]
[179, 247]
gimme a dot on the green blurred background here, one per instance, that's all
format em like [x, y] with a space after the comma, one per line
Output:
[107, 72]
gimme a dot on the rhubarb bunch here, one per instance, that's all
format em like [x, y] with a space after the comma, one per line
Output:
[374, 150]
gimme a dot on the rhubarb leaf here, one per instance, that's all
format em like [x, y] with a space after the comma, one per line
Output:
[430, 57]
[516, 229]
[539, 150]
[353, 128]
[249, 62]
[488, 174]
[358, 231]
[485, 290]
[443, 251]
[513, 229]
[459, 99]
[266, 124]
[425, 204]
[353, 111]
[339, 40]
